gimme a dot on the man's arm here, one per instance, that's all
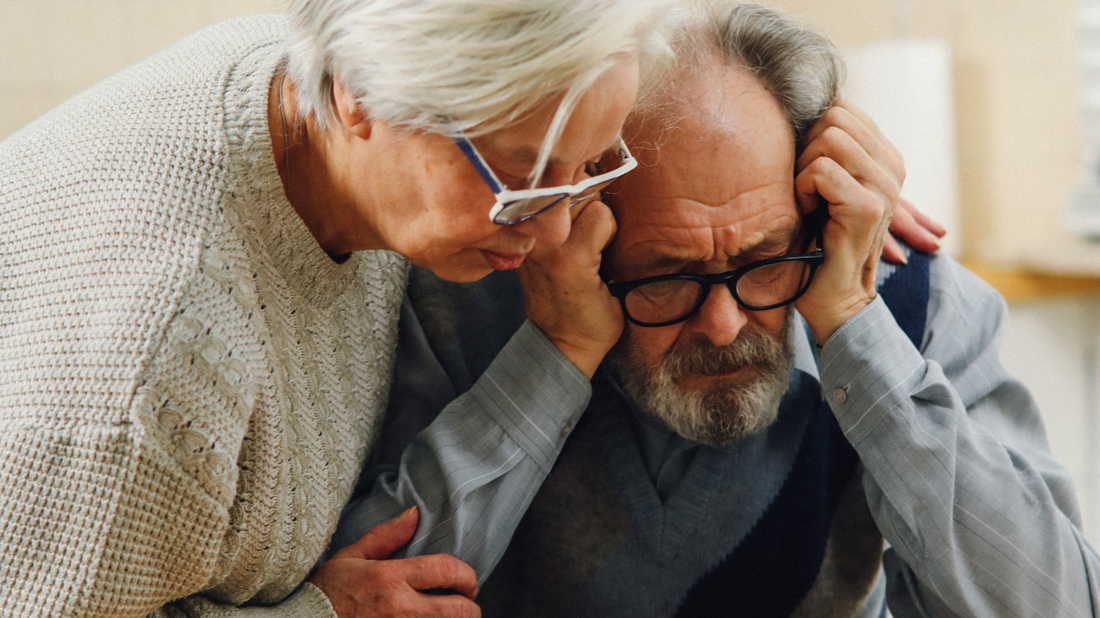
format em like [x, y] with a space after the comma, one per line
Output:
[471, 466]
[980, 518]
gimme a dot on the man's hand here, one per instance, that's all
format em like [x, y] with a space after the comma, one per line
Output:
[360, 582]
[564, 294]
[914, 227]
[851, 166]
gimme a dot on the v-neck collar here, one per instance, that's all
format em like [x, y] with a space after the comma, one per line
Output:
[666, 527]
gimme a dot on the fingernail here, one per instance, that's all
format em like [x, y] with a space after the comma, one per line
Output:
[902, 257]
[407, 512]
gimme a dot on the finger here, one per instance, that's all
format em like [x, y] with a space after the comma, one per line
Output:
[865, 121]
[847, 115]
[382, 540]
[922, 219]
[892, 251]
[577, 209]
[839, 145]
[906, 228]
[440, 571]
[858, 216]
[450, 606]
[859, 126]
[591, 231]
[595, 228]
[848, 200]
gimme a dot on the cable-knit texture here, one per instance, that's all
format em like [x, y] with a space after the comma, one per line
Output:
[189, 385]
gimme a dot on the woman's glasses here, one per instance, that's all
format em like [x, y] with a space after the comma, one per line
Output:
[515, 206]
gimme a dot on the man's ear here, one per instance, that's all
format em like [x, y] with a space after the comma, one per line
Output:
[349, 112]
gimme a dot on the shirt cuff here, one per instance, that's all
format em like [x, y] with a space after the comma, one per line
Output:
[867, 368]
[535, 393]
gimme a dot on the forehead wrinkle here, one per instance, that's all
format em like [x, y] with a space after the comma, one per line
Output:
[694, 236]
[727, 168]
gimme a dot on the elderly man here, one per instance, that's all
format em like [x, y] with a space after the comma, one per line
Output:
[709, 476]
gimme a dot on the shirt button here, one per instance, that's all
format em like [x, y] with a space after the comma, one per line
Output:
[566, 429]
[840, 395]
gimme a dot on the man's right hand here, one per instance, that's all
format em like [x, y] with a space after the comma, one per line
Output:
[564, 294]
[360, 581]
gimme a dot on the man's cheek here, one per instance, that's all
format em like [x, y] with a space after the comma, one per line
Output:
[654, 344]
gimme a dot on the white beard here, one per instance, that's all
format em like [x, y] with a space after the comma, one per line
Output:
[726, 410]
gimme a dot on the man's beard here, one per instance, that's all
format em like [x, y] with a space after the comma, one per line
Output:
[723, 411]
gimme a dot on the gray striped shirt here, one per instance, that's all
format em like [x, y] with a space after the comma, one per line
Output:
[980, 519]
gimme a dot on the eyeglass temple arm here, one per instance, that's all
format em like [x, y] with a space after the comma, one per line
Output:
[479, 164]
[814, 223]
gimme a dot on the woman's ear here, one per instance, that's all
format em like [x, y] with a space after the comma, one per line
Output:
[349, 112]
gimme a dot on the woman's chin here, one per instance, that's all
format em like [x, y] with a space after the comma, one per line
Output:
[458, 271]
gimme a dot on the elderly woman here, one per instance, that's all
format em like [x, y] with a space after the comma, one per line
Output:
[202, 262]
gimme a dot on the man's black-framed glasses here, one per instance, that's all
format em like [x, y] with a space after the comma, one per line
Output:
[757, 286]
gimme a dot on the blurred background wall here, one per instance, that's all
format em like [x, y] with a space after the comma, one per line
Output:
[1017, 137]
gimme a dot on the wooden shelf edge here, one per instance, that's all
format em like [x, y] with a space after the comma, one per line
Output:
[1022, 284]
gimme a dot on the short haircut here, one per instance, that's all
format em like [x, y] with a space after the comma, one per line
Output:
[801, 68]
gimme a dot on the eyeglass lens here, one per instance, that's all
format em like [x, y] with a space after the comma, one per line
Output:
[518, 210]
[763, 287]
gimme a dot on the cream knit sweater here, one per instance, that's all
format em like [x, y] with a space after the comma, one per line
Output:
[188, 384]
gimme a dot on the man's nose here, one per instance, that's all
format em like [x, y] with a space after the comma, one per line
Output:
[550, 227]
[720, 318]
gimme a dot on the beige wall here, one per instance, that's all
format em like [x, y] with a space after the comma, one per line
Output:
[52, 49]
[1016, 104]
[1018, 128]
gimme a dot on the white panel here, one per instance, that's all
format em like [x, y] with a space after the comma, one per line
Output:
[1050, 345]
[907, 87]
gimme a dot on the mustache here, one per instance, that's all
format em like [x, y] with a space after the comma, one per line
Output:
[749, 348]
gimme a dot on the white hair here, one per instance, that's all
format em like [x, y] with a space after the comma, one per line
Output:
[483, 64]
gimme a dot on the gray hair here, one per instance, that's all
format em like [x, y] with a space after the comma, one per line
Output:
[481, 63]
[801, 68]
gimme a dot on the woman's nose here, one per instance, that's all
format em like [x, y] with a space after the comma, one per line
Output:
[720, 319]
[550, 227]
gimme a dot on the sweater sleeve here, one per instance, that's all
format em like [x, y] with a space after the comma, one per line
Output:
[306, 602]
[118, 504]
[981, 520]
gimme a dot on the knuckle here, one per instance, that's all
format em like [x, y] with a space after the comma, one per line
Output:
[443, 569]
[391, 605]
[462, 607]
[469, 609]
[836, 114]
[386, 575]
[832, 134]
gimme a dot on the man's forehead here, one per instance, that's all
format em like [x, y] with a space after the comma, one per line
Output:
[685, 232]
[721, 181]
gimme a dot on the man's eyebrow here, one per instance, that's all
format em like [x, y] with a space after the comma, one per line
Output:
[665, 261]
[772, 245]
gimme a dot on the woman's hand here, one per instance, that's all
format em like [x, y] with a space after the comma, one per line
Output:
[914, 227]
[564, 294]
[851, 166]
[361, 582]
